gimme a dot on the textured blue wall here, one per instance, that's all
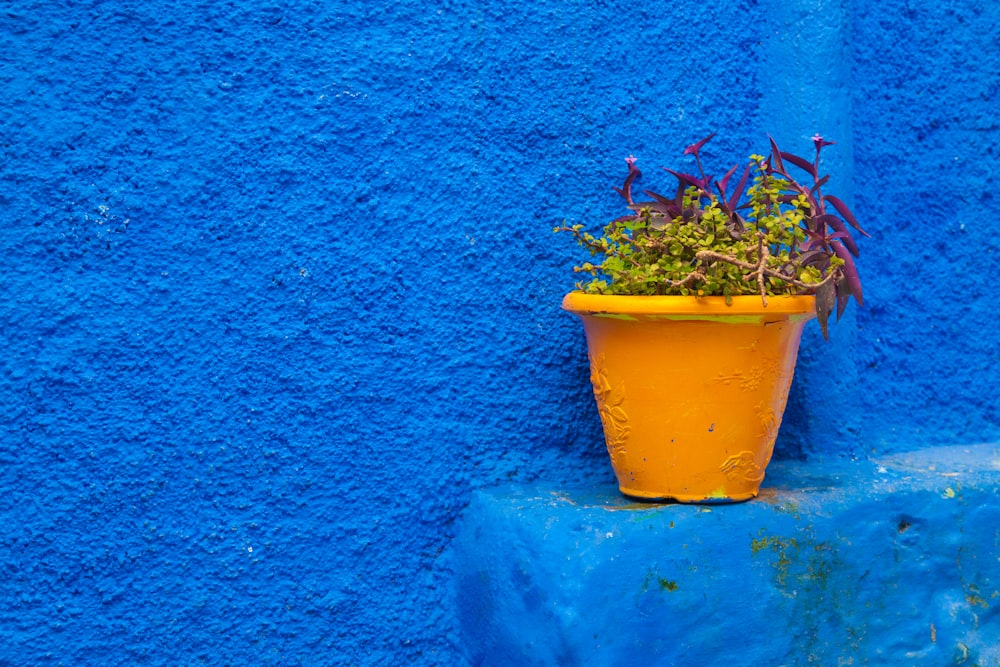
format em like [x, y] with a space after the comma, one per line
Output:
[805, 84]
[926, 123]
[279, 289]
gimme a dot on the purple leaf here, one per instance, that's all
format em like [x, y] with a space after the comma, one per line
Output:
[724, 183]
[736, 226]
[846, 212]
[659, 207]
[738, 192]
[815, 257]
[816, 240]
[820, 183]
[657, 197]
[694, 148]
[826, 296]
[668, 207]
[813, 225]
[816, 207]
[850, 272]
[800, 163]
[842, 300]
[842, 233]
[687, 178]
[779, 166]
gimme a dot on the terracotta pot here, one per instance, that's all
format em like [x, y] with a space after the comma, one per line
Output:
[690, 390]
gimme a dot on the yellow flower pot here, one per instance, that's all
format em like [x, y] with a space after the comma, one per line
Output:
[690, 390]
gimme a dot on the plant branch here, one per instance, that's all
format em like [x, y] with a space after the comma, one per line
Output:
[761, 270]
[688, 279]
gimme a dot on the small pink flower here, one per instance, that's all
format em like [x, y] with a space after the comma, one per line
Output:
[821, 142]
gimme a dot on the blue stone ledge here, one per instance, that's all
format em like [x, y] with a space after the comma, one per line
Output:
[893, 561]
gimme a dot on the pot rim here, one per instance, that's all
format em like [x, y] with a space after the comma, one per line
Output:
[581, 303]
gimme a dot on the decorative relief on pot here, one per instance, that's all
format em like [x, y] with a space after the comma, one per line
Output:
[610, 405]
[728, 379]
[752, 379]
[769, 423]
[743, 465]
[748, 381]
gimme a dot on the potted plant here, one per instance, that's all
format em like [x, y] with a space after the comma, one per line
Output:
[694, 313]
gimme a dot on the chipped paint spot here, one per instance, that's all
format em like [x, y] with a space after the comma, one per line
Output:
[654, 577]
[667, 585]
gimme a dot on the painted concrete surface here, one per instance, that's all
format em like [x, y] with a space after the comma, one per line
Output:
[279, 290]
[925, 103]
[804, 61]
[890, 562]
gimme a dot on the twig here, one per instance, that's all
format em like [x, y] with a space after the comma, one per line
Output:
[688, 279]
[763, 253]
[760, 269]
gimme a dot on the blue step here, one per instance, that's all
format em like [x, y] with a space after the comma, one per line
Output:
[892, 561]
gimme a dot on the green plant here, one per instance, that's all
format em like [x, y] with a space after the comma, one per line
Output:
[770, 236]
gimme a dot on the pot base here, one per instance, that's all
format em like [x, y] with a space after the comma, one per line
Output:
[686, 498]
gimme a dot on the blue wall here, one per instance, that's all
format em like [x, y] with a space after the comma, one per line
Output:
[926, 122]
[279, 287]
